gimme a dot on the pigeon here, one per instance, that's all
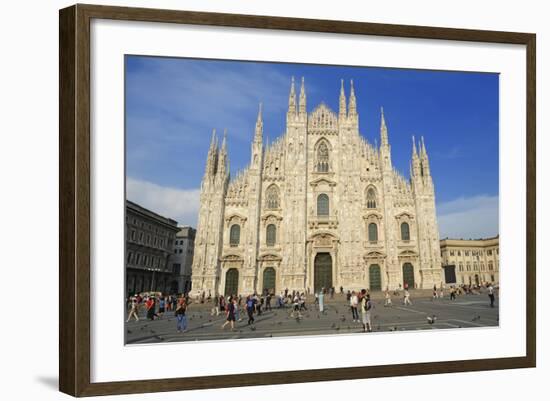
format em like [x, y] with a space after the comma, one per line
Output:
[279, 323]
[153, 331]
[337, 328]
[129, 332]
[476, 318]
[333, 325]
[431, 319]
[253, 328]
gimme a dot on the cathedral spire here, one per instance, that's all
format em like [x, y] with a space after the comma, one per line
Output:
[259, 126]
[292, 99]
[383, 129]
[352, 110]
[212, 158]
[223, 166]
[415, 154]
[424, 158]
[302, 106]
[343, 111]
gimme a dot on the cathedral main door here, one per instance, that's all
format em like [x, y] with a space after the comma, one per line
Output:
[231, 282]
[322, 272]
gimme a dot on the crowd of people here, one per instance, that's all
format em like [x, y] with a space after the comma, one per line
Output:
[236, 307]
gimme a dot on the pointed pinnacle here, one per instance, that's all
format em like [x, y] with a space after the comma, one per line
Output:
[352, 91]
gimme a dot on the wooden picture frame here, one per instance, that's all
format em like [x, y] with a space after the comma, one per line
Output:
[74, 199]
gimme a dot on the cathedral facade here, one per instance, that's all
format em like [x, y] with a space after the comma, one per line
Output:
[320, 207]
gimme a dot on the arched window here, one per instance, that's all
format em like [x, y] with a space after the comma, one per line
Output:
[405, 232]
[322, 205]
[322, 158]
[373, 232]
[272, 197]
[371, 198]
[235, 235]
[271, 235]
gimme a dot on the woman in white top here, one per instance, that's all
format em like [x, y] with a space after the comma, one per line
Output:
[353, 303]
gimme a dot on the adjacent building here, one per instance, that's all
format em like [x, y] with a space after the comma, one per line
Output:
[149, 246]
[470, 261]
[320, 207]
[182, 259]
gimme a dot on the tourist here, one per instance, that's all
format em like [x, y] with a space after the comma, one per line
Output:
[452, 294]
[407, 298]
[434, 293]
[321, 299]
[491, 291]
[296, 306]
[302, 301]
[237, 305]
[353, 303]
[216, 308]
[268, 301]
[162, 306]
[366, 306]
[180, 316]
[230, 313]
[387, 299]
[134, 305]
[250, 303]
[150, 305]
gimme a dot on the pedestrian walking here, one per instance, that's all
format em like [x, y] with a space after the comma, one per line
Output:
[230, 313]
[134, 305]
[150, 305]
[181, 319]
[387, 298]
[407, 298]
[366, 306]
[354, 303]
[321, 300]
[250, 302]
[491, 291]
[162, 306]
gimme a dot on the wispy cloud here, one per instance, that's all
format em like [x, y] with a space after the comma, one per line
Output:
[182, 96]
[181, 205]
[469, 217]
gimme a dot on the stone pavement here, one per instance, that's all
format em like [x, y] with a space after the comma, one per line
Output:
[467, 311]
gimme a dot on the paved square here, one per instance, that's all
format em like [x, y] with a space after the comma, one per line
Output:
[466, 311]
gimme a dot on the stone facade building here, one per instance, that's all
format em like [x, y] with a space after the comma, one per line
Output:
[320, 207]
[182, 259]
[149, 245]
[470, 261]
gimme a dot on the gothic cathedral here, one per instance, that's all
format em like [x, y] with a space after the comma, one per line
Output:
[320, 207]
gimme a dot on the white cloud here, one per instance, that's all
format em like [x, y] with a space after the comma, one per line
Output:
[181, 205]
[473, 217]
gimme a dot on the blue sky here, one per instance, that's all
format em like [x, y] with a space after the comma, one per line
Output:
[172, 105]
